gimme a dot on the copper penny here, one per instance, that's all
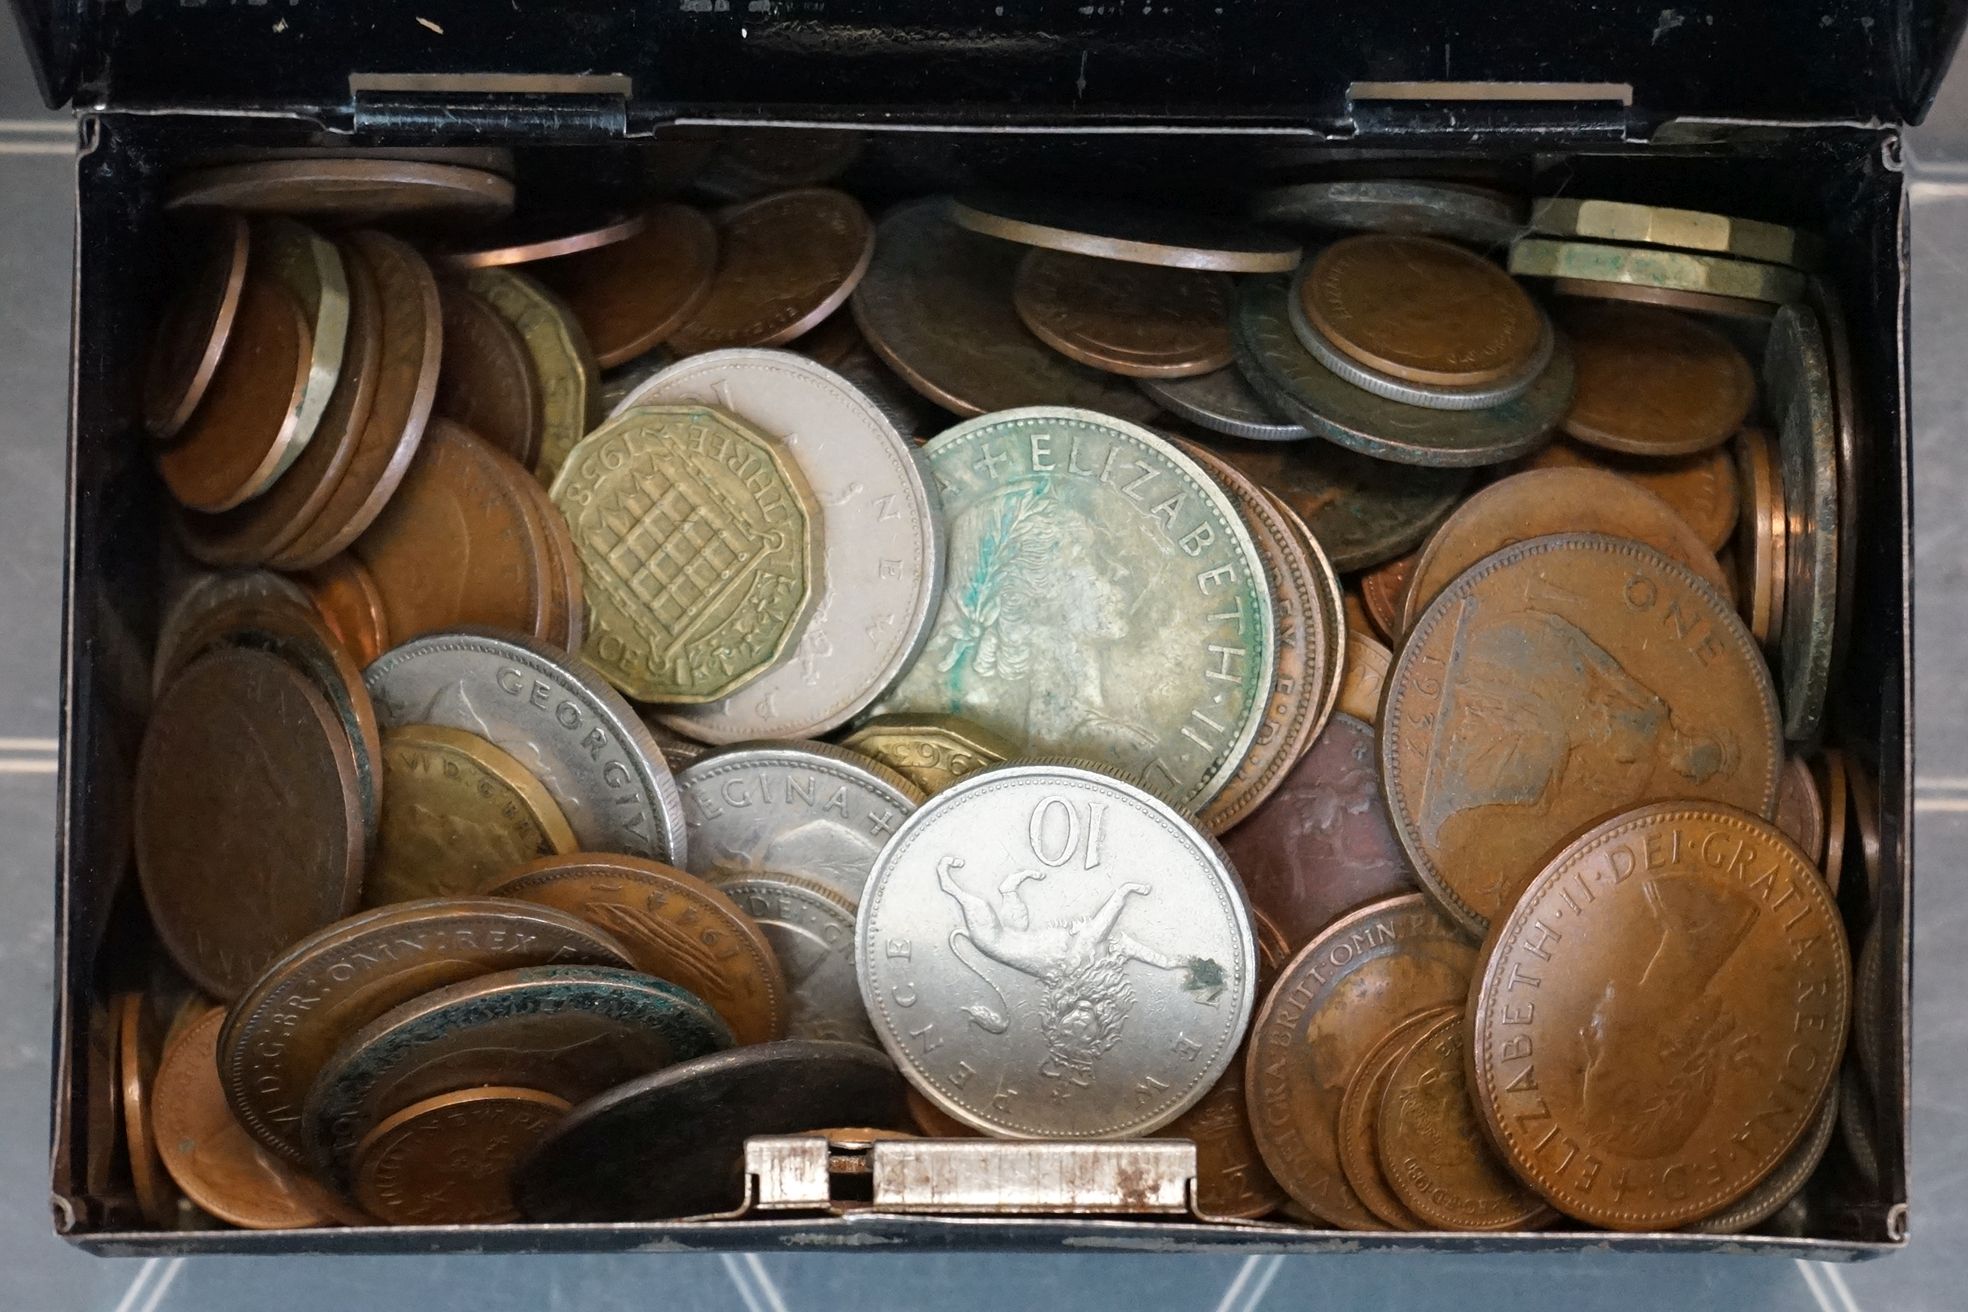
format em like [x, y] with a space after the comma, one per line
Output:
[1382, 589]
[751, 161]
[1729, 307]
[541, 235]
[1365, 974]
[1342, 620]
[136, 1067]
[1560, 681]
[1421, 309]
[406, 386]
[674, 926]
[354, 192]
[1652, 381]
[1365, 677]
[1323, 843]
[448, 1160]
[551, 619]
[458, 544]
[1231, 1179]
[486, 381]
[236, 440]
[784, 263]
[1835, 783]
[1660, 1015]
[210, 1155]
[1132, 319]
[564, 559]
[345, 594]
[933, 1121]
[1701, 488]
[336, 981]
[196, 327]
[1539, 503]
[1359, 1109]
[1124, 230]
[248, 816]
[633, 295]
[1434, 1152]
[1801, 808]
[1762, 538]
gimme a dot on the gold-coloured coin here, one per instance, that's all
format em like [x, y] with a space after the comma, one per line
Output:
[698, 539]
[1360, 685]
[930, 751]
[1688, 230]
[569, 378]
[1762, 538]
[1648, 266]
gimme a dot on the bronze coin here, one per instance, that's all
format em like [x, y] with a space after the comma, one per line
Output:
[336, 981]
[1323, 843]
[752, 161]
[352, 192]
[1762, 538]
[406, 386]
[486, 381]
[1702, 488]
[1122, 230]
[564, 560]
[933, 1121]
[136, 1068]
[1729, 307]
[1539, 503]
[1132, 319]
[210, 1155]
[540, 235]
[1433, 1151]
[784, 263]
[196, 327]
[1678, 977]
[237, 438]
[248, 816]
[448, 1160]
[1864, 792]
[1231, 1179]
[1365, 974]
[1560, 681]
[1382, 589]
[673, 926]
[1801, 808]
[459, 543]
[1834, 780]
[1652, 381]
[633, 295]
[352, 606]
[1359, 1110]
[551, 619]
[1342, 619]
[1421, 309]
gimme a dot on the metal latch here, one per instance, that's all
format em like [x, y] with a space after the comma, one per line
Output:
[565, 105]
[1408, 108]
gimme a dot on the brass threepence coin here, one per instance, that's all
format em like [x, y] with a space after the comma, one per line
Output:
[248, 816]
[1701, 488]
[1475, 216]
[458, 814]
[331, 984]
[1797, 374]
[1801, 808]
[1362, 976]
[448, 1160]
[1655, 269]
[1652, 382]
[930, 751]
[673, 926]
[1365, 677]
[1359, 1108]
[313, 269]
[351, 192]
[196, 328]
[1690, 230]
[1382, 589]
[1660, 1015]
[696, 535]
[1231, 1179]
[1119, 230]
[487, 383]
[569, 377]
[1559, 681]
[531, 236]
[1762, 538]
[633, 295]
[136, 1072]
[811, 930]
[1132, 319]
[784, 263]
[351, 605]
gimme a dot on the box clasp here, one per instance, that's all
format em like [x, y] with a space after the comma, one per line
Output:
[526, 104]
[1593, 109]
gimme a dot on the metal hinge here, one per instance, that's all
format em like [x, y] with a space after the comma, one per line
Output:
[569, 106]
[1461, 108]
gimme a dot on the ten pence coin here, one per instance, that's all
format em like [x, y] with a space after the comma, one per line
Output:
[811, 930]
[1132, 319]
[1651, 381]
[632, 295]
[1358, 1135]
[1701, 488]
[1660, 1015]
[1560, 681]
[448, 1160]
[930, 751]
[196, 327]
[487, 383]
[784, 263]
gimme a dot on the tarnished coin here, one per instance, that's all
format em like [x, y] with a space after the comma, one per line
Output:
[1433, 1150]
[248, 816]
[1701, 488]
[673, 926]
[136, 1072]
[536, 235]
[908, 411]
[351, 605]
[1851, 464]
[1476, 216]
[794, 808]
[1132, 319]
[1231, 1179]
[1323, 844]
[1542, 502]
[1359, 1110]
[673, 1144]
[784, 263]
[1687, 965]
[1382, 589]
[936, 1123]
[930, 751]
[571, 731]
[1781, 1185]
[1076, 951]
[1797, 374]
[487, 382]
[572, 1031]
[1365, 677]
[699, 543]
[355, 192]
[811, 930]
[1559, 681]
[331, 984]
[1363, 975]
[1801, 808]
[634, 294]
[1660, 225]
[1119, 230]
[192, 336]
[1753, 313]
[751, 161]
[564, 363]
[936, 305]
[1762, 538]
[1652, 382]
[1223, 402]
[458, 813]
[1342, 620]
[1834, 778]
[881, 555]
[564, 559]
[448, 1160]
[1651, 267]
[1104, 601]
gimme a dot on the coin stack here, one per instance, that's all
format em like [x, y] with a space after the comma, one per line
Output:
[1017, 667]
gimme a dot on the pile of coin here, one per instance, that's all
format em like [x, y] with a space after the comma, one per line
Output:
[829, 716]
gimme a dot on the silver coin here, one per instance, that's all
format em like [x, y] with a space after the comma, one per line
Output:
[811, 930]
[1222, 402]
[881, 530]
[1050, 952]
[807, 809]
[1798, 385]
[678, 751]
[562, 721]
[1475, 216]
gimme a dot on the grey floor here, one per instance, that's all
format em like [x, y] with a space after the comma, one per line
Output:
[39, 1272]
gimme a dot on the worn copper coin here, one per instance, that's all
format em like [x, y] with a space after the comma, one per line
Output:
[248, 815]
[1133, 319]
[1782, 1185]
[811, 929]
[1231, 1178]
[1762, 538]
[1120, 230]
[1701, 488]
[345, 593]
[784, 263]
[1797, 374]
[196, 328]
[487, 382]
[563, 362]
[136, 1071]
[1559, 681]
[564, 566]
[1223, 403]
[334, 982]
[1365, 677]
[1660, 1015]
[536, 235]
[1651, 381]
[930, 751]
[1382, 589]
[355, 192]
[448, 1160]
[1363, 975]
[1359, 1109]
[1801, 808]
[674, 926]
[1834, 779]
[933, 1121]
[632, 295]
